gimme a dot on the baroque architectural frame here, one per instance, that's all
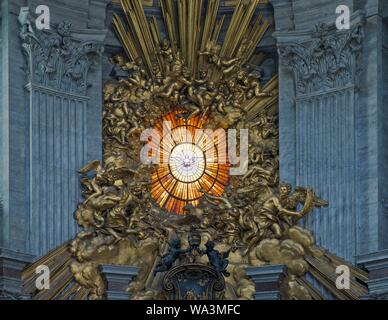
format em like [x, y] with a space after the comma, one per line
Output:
[270, 250]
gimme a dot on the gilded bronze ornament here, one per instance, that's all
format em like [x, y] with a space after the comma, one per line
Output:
[133, 214]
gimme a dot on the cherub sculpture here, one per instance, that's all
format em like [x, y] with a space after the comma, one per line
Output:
[118, 218]
[251, 84]
[197, 88]
[91, 215]
[166, 54]
[173, 254]
[267, 126]
[255, 167]
[138, 74]
[116, 124]
[178, 80]
[218, 260]
[214, 99]
[119, 70]
[227, 215]
[225, 65]
[94, 185]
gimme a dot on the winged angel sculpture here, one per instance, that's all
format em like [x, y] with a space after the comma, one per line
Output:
[256, 215]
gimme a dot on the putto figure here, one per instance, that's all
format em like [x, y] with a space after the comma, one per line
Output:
[193, 79]
[174, 252]
[225, 65]
[218, 260]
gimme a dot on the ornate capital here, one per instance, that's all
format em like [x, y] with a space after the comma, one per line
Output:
[328, 60]
[57, 60]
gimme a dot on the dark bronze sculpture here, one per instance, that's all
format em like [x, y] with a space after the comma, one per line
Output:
[173, 253]
[218, 260]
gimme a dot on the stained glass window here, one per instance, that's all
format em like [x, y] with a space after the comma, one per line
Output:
[192, 160]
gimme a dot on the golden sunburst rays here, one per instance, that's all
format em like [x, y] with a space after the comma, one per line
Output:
[190, 32]
[192, 160]
[193, 29]
[257, 106]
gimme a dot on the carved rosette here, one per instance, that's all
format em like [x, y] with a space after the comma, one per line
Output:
[327, 61]
[57, 60]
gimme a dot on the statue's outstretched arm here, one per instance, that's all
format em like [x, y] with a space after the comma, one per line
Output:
[283, 210]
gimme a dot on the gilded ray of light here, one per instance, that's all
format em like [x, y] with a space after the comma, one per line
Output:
[189, 33]
[190, 161]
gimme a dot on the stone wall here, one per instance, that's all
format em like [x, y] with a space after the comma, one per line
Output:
[332, 128]
[50, 123]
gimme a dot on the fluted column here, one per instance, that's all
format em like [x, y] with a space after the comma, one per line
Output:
[319, 72]
[59, 63]
[50, 125]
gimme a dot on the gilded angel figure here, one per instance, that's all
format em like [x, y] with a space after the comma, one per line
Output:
[279, 211]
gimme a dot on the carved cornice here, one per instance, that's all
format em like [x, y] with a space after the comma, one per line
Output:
[325, 61]
[56, 59]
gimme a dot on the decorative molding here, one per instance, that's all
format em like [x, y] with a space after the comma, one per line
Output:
[377, 265]
[57, 60]
[11, 265]
[267, 280]
[55, 92]
[117, 280]
[326, 61]
[308, 97]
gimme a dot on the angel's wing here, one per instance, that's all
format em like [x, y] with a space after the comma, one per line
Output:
[308, 203]
[91, 166]
[318, 202]
[300, 195]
